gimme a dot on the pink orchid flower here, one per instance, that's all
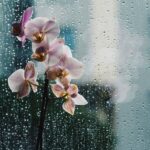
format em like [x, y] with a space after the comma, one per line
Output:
[50, 54]
[21, 80]
[57, 51]
[68, 68]
[41, 29]
[71, 95]
[18, 28]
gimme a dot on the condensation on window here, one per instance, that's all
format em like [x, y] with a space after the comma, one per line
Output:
[111, 38]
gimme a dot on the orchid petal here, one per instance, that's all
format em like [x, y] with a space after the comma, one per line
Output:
[51, 29]
[29, 70]
[40, 54]
[58, 90]
[30, 30]
[44, 44]
[34, 26]
[69, 106]
[40, 22]
[16, 80]
[34, 84]
[55, 45]
[72, 89]
[65, 81]
[34, 88]
[55, 52]
[24, 90]
[67, 51]
[53, 72]
[26, 16]
[74, 67]
[79, 100]
[49, 25]
[19, 38]
[52, 60]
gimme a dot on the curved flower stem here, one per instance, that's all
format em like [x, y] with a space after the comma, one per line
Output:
[42, 115]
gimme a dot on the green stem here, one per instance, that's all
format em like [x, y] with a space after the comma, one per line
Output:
[42, 115]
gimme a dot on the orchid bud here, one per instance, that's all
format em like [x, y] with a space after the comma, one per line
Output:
[16, 29]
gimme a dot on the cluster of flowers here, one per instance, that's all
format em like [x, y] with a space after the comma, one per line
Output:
[48, 49]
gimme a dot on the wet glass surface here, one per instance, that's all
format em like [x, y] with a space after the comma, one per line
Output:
[111, 38]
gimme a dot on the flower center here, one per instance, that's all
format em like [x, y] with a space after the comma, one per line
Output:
[38, 37]
[63, 73]
[74, 88]
[31, 83]
[65, 95]
[40, 54]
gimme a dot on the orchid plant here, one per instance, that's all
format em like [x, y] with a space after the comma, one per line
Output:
[60, 65]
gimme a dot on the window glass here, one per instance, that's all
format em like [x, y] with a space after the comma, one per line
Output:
[111, 39]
